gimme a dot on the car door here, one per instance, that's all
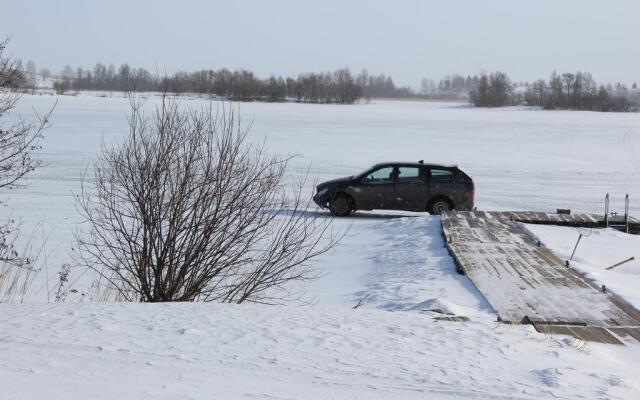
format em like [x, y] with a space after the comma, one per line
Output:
[376, 189]
[410, 188]
[442, 182]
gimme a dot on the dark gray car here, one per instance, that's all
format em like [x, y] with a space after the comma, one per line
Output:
[399, 186]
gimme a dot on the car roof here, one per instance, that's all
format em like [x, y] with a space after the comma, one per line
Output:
[413, 164]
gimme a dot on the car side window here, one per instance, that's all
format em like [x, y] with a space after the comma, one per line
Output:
[410, 174]
[384, 174]
[439, 175]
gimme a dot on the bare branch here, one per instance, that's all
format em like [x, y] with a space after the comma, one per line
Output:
[18, 142]
[187, 209]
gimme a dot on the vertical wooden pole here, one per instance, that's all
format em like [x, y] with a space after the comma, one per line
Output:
[606, 210]
[626, 212]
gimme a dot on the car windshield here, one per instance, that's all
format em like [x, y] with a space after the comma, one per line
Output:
[369, 171]
[382, 174]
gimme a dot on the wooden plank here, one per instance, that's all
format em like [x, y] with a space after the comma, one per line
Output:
[573, 220]
[634, 332]
[526, 282]
[586, 333]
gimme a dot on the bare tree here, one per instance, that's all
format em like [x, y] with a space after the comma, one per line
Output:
[18, 142]
[45, 73]
[187, 210]
[68, 72]
[31, 68]
[493, 90]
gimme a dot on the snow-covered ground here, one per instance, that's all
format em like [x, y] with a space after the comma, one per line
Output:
[213, 351]
[391, 347]
[395, 263]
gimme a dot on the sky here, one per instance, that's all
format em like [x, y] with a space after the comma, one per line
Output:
[407, 39]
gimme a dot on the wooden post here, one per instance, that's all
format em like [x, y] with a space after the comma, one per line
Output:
[626, 212]
[606, 210]
[576, 247]
[621, 262]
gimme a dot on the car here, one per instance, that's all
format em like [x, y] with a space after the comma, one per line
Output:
[407, 186]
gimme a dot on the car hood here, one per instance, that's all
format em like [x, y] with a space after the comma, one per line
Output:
[336, 182]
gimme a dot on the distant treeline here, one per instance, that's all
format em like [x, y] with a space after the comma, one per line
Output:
[454, 86]
[331, 87]
[570, 91]
[580, 92]
[381, 86]
[576, 91]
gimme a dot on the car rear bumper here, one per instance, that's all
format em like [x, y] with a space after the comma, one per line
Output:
[465, 204]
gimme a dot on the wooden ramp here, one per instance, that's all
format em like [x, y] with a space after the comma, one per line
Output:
[527, 283]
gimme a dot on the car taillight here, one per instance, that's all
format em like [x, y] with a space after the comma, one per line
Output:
[471, 193]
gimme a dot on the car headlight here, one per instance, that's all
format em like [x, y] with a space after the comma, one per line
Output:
[323, 191]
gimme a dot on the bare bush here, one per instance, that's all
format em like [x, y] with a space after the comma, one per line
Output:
[187, 210]
[18, 142]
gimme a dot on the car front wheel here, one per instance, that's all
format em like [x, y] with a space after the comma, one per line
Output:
[340, 206]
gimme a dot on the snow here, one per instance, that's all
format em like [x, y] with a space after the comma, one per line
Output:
[394, 264]
[597, 250]
[398, 264]
[217, 351]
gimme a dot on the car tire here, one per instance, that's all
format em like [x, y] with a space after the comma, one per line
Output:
[340, 205]
[439, 206]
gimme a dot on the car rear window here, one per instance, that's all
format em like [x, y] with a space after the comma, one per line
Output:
[441, 174]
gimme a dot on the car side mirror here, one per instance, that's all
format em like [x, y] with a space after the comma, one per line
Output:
[364, 181]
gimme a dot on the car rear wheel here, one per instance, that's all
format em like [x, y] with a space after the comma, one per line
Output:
[340, 206]
[439, 207]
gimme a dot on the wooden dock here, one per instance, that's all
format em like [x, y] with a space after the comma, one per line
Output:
[527, 283]
[574, 220]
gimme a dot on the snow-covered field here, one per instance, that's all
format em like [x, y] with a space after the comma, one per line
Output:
[391, 346]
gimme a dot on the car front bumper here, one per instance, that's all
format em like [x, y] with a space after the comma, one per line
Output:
[322, 197]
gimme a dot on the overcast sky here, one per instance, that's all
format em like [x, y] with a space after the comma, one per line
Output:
[407, 39]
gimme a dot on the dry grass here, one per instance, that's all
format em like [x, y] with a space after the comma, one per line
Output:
[15, 282]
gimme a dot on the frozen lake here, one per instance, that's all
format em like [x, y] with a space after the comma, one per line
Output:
[520, 158]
